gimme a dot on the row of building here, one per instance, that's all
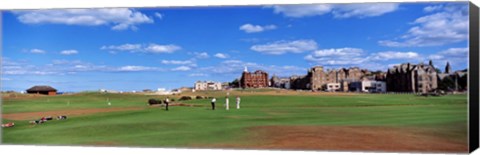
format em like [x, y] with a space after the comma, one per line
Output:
[407, 77]
[344, 79]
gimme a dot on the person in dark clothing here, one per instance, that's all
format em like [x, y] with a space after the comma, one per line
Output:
[49, 118]
[167, 100]
[213, 103]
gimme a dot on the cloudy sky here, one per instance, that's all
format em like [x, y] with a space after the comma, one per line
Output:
[139, 48]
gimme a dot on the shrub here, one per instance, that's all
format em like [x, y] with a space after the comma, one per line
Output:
[183, 98]
[153, 101]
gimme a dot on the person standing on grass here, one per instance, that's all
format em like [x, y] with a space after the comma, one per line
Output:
[238, 102]
[226, 103]
[167, 100]
[213, 103]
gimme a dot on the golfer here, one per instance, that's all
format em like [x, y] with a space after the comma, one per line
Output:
[238, 102]
[213, 103]
[167, 100]
[226, 103]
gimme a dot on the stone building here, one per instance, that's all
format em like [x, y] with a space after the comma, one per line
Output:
[407, 77]
[341, 74]
[318, 79]
[354, 74]
[208, 85]
[257, 79]
[300, 82]
[331, 76]
[279, 82]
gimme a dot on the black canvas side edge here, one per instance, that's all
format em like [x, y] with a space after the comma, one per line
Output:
[473, 79]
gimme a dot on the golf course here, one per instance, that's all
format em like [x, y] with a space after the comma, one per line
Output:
[267, 119]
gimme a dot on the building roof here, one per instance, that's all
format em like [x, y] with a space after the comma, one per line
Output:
[259, 72]
[41, 88]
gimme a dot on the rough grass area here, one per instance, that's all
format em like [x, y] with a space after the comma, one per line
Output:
[440, 120]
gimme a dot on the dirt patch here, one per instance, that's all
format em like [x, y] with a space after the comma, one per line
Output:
[351, 138]
[37, 115]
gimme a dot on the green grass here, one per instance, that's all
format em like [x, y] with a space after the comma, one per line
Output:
[75, 101]
[446, 116]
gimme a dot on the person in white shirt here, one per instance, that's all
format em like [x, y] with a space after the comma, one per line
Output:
[238, 102]
[226, 103]
[213, 103]
[166, 103]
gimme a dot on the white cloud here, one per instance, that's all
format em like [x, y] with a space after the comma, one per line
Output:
[282, 47]
[348, 57]
[221, 55]
[458, 57]
[118, 18]
[155, 48]
[338, 52]
[338, 10]
[433, 8]
[236, 67]
[69, 52]
[201, 55]
[339, 56]
[37, 51]
[388, 55]
[151, 48]
[198, 75]
[62, 67]
[303, 10]
[363, 10]
[435, 57]
[180, 62]
[249, 28]
[158, 15]
[447, 26]
[124, 47]
[176, 62]
[136, 68]
[182, 68]
[456, 52]
[452, 54]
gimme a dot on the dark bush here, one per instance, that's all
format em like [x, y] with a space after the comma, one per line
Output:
[153, 101]
[183, 98]
[200, 97]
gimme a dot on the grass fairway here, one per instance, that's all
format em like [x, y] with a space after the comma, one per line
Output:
[265, 120]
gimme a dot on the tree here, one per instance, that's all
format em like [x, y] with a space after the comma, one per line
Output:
[447, 84]
[462, 82]
[234, 83]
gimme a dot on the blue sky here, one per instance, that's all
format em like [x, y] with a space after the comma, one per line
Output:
[147, 48]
